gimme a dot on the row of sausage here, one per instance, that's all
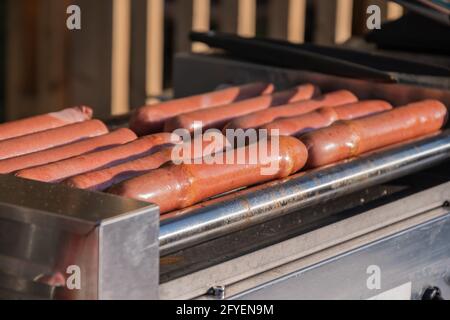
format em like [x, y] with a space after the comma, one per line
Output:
[314, 130]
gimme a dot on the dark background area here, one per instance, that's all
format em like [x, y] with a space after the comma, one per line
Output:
[46, 67]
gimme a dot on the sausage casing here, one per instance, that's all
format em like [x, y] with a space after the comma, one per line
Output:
[51, 138]
[43, 122]
[346, 139]
[325, 116]
[218, 117]
[29, 160]
[178, 186]
[260, 118]
[100, 180]
[150, 119]
[60, 170]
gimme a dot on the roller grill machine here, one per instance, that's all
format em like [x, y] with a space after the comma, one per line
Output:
[377, 226]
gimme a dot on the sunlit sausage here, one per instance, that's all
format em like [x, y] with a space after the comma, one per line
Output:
[29, 160]
[58, 171]
[178, 186]
[324, 117]
[43, 122]
[102, 179]
[346, 139]
[51, 138]
[150, 119]
[218, 117]
[257, 119]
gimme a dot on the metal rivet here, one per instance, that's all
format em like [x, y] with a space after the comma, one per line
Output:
[217, 291]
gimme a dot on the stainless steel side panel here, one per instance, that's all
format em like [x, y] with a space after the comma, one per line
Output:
[52, 236]
[262, 266]
[400, 266]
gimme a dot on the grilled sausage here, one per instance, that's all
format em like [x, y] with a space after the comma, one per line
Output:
[218, 117]
[51, 138]
[58, 171]
[178, 186]
[150, 119]
[43, 122]
[102, 179]
[257, 119]
[324, 117]
[29, 160]
[347, 139]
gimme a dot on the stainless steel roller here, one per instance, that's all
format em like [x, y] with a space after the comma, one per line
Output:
[255, 205]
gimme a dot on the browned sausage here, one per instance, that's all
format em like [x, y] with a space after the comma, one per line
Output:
[324, 117]
[29, 160]
[219, 116]
[51, 138]
[150, 119]
[102, 179]
[43, 122]
[346, 139]
[58, 171]
[178, 186]
[257, 119]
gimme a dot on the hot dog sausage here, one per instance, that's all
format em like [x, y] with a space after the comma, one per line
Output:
[102, 179]
[44, 122]
[51, 138]
[150, 119]
[219, 116]
[259, 118]
[324, 117]
[115, 138]
[58, 171]
[178, 186]
[347, 139]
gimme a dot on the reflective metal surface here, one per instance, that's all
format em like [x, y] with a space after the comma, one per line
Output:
[261, 266]
[419, 256]
[46, 230]
[243, 241]
[14, 288]
[212, 70]
[216, 217]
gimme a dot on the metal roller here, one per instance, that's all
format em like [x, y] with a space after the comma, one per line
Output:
[223, 215]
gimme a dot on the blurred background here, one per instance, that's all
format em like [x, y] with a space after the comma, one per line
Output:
[122, 56]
